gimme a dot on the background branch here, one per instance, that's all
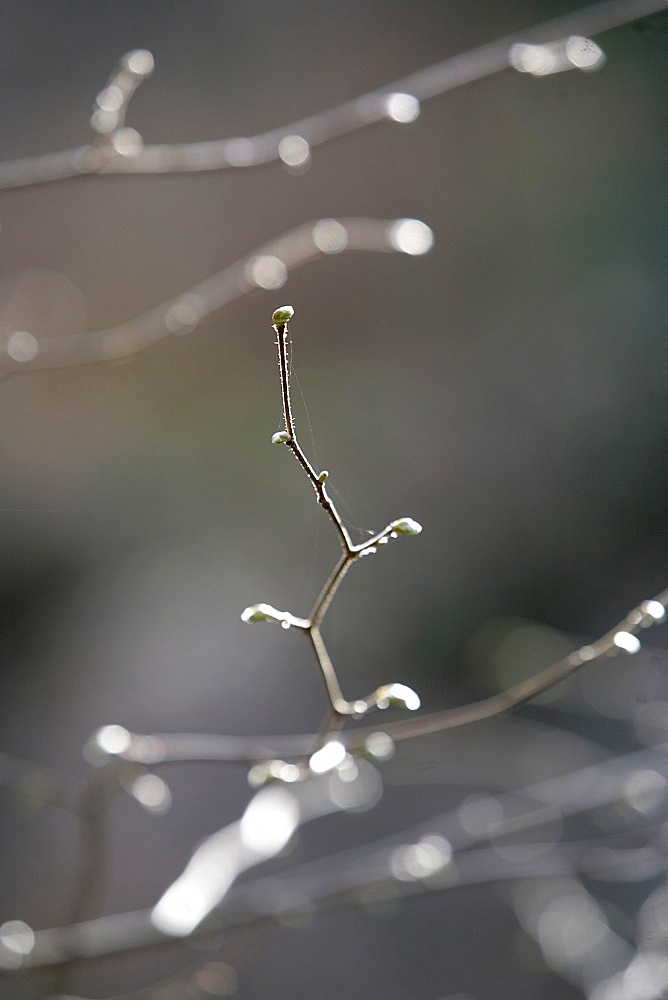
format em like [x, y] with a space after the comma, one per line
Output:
[433, 857]
[291, 143]
[164, 748]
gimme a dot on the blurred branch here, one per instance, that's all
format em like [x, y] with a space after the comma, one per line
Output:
[116, 149]
[266, 268]
[93, 855]
[35, 786]
[414, 862]
[271, 904]
[269, 822]
[622, 639]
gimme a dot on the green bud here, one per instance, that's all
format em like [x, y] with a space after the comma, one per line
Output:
[260, 613]
[323, 476]
[280, 437]
[406, 526]
[281, 316]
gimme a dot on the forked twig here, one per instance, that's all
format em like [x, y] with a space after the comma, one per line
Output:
[398, 695]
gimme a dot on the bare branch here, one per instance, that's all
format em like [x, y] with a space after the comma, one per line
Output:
[398, 695]
[266, 268]
[122, 151]
[619, 640]
[383, 870]
[165, 748]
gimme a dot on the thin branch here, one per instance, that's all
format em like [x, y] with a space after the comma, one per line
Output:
[165, 748]
[575, 793]
[339, 707]
[37, 786]
[619, 640]
[317, 479]
[115, 149]
[93, 854]
[124, 932]
[266, 268]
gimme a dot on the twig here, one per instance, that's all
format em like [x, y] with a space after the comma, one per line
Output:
[374, 873]
[94, 847]
[619, 640]
[398, 695]
[266, 268]
[118, 150]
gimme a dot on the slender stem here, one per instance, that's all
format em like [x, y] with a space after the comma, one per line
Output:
[371, 543]
[339, 703]
[318, 484]
[330, 588]
[284, 367]
[332, 723]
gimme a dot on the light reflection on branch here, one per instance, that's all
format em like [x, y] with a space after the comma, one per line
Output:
[116, 149]
[386, 870]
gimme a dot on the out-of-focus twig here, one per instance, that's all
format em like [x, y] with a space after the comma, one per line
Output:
[415, 862]
[35, 785]
[266, 268]
[622, 639]
[93, 855]
[116, 149]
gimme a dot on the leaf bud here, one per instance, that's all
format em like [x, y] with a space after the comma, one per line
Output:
[281, 316]
[406, 526]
